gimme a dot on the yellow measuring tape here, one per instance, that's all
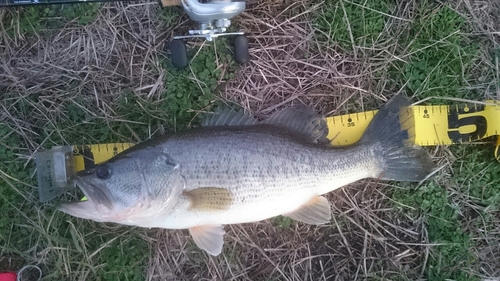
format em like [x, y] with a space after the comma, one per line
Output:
[85, 156]
[434, 125]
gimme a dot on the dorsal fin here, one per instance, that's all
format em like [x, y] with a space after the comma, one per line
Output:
[224, 116]
[302, 120]
[299, 119]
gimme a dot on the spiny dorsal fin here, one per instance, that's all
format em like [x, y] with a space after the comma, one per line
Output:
[224, 116]
[299, 119]
[302, 120]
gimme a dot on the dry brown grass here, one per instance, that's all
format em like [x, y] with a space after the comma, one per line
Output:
[96, 63]
[484, 17]
[289, 65]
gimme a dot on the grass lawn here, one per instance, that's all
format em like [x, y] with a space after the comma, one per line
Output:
[97, 73]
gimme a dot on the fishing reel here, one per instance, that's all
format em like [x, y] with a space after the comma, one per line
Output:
[214, 18]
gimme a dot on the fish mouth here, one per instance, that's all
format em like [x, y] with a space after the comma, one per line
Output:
[84, 209]
[98, 205]
[95, 193]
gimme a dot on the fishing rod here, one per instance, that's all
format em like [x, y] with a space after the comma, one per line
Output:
[9, 3]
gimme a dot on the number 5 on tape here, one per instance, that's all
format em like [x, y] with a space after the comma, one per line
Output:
[443, 124]
[434, 124]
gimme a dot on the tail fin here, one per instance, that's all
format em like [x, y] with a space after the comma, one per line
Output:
[393, 128]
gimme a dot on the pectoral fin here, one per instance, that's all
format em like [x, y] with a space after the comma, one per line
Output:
[210, 198]
[316, 211]
[208, 238]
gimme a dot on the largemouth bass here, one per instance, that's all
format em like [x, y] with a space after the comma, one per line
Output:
[238, 170]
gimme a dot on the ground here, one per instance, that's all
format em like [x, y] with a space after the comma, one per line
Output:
[97, 73]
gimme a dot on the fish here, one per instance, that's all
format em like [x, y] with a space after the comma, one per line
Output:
[235, 169]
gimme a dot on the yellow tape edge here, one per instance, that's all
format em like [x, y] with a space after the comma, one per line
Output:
[497, 146]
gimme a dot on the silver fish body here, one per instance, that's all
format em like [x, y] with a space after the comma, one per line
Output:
[264, 180]
[242, 171]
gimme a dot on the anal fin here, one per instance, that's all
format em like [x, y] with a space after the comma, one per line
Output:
[208, 238]
[316, 211]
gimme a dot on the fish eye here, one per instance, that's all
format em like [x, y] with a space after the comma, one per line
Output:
[103, 172]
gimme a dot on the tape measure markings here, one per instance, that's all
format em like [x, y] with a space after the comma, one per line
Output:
[88, 156]
[434, 125]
